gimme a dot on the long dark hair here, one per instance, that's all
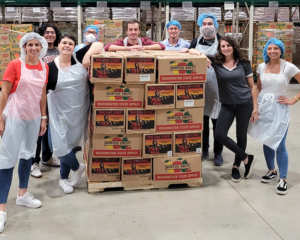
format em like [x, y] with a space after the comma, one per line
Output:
[237, 54]
[66, 35]
[42, 29]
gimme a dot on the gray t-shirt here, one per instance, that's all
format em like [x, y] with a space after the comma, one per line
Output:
[232, 83]
[50, 55]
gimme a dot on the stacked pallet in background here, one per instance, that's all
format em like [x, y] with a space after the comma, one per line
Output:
[220, 30]
[145, 132]
[113, 31]
[280, 30]
[10, 35]
[296, 44]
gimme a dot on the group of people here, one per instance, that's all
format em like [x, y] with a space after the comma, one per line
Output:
[45, 102]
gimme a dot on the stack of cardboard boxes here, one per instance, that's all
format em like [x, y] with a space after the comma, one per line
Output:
[10, 35]
[280, 30]
[146, 130]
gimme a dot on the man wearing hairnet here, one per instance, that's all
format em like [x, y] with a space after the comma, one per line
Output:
[207, 43]
[174, 42]
[91, 34]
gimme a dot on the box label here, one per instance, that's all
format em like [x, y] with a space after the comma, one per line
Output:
[183, 78]
[180, 176]
[141, 119]
[160, 95]
[145, 77]
[105, 165]
[121, 153]
[187, 142]
[107, 68]
[137, 167]
[112, 118]
[186, 92]
[140, 65]
[158, 144]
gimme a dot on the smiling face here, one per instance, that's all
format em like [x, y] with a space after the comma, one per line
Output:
[226, 49]
[133, 31]
[66, 46]
[50, 35]
[273, 51]
[33, 48]
[173, 31]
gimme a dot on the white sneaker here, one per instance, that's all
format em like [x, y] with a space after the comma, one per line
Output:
[65, 185]
[28, 200]
[35, 170]
[3, 219]
[75, 175]
[52, 162]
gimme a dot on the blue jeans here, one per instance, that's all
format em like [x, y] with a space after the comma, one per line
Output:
[281, 156]
[67, 162]
[6, 178]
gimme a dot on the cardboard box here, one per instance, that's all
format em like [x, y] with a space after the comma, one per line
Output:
[107, 68]
[181, 69]
[158, 96]
[5, 56]
[139, 67]
[276, 25]
[186, 143]
[108, 120]
[117, 145]
[94, 22]
[108, 40]
[13, 38]
[182, 119]
[14, 55]
[113, 32]
[113, 23]
[136, 170]
[4, 38]
[104, 169]
[14, 47]
[176, 170]
[86, 152]
[140, 121]
[4, 47]
[4, 64]
[26, 28]
[157, 145]
[190, 95]
[3, 27]
[118, 96]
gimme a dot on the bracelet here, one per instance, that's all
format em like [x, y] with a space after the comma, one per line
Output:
[44, 117]
[296, 99]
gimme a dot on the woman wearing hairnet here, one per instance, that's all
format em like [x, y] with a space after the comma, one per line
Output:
[207, 43]
[174, 42]
[238, 96]
[23, 118]
[68, 106]
[271, 127]
[90, 35]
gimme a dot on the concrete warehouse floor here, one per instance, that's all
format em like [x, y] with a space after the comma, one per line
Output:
[220, 209]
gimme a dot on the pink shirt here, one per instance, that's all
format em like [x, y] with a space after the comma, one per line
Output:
[145, 42]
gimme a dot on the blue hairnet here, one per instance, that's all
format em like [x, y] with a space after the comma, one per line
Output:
[89, 27]
[207, 15]
[175, 23]
[276, 42]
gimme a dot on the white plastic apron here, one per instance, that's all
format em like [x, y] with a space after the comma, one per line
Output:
[273, 117]
[212, 105]
[22, 117]
[68, 107]
[125, 41]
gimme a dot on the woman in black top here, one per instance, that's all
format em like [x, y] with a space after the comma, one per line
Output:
[236, 89]
[68, 106]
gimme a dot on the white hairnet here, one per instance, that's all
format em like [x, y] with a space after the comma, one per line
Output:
[30, 36]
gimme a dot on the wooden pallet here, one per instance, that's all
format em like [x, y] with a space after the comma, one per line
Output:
[95, 187]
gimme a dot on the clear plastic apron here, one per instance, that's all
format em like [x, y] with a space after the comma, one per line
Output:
[22, 117]
[68, 107]
[212, 105]
[273, 118]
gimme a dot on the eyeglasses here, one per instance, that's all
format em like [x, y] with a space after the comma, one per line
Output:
[91, 32]
[50, 32]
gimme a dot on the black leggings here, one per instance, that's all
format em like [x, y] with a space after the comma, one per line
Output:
[242, 113]
[218, 147]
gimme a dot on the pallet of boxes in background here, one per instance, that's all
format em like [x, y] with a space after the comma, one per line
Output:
[146, 134]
